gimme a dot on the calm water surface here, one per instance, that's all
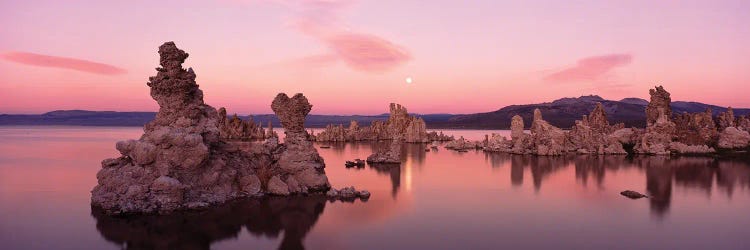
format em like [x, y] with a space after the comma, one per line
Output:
[435, 200]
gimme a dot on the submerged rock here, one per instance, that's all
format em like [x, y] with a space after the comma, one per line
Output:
[347, 194]
[633, 194]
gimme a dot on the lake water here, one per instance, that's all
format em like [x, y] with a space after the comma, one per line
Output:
[435, 200]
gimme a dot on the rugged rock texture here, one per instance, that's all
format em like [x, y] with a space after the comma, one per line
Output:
[660, 100]
[399, 124]
[658, 136]
[181, 162]
[743, 122]
[237, 129]
[390, 154]
[681, 148]
[300, 161]
[660, 130]
[348, 194]
[545, 138]
[733, 138]
[591, 135]
[463, 144]
[696, 128]
[726, 119]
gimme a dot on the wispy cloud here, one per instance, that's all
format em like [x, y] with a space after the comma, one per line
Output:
[62, 63]
[591, 68]
[320, 19]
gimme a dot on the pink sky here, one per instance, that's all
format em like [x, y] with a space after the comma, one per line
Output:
[352, 57]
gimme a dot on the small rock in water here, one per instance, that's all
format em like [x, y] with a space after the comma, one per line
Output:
[632, 194]
[347, 194]
[356, 163]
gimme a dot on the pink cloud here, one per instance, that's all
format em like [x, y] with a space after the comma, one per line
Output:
[367, 52]
[62, 63]
[359, 50]
[591, 68]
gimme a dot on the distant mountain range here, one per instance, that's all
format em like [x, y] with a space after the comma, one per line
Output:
[564, 112]
[561, 113]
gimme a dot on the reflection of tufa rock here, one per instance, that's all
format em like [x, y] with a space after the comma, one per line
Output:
[181, 162]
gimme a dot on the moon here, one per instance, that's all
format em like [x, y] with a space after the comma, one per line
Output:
[408, 80]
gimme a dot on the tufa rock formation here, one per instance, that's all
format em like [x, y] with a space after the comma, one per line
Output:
[237, 129]
[181, 162]
[399, 124]
[660, 99]
[592, 135]
[390, 154]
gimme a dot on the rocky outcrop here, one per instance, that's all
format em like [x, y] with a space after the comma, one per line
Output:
[592, 135]
[236, 129]
[657, 137]
[660, 130]
[545, 138]
[463, 144]
[733, 138]
[399, 124]
[696, 128]
[347, 194]
[725, 119]
[390, 154]
[660, 100]
[181, 162]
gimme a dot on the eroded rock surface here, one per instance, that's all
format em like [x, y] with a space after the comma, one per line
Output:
[399, 124]
[733, 138]
[181, 162]
[660, 100]
[390, 154]
[237, 129]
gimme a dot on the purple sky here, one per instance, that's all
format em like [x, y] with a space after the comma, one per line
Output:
[352, 57]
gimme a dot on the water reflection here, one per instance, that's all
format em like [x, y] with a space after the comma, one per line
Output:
[268, 217]
[391, 170]
[661, 173]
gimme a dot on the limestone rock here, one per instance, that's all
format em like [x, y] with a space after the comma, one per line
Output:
[463, 144]
[726, 119]
[516, 127]
[399, 124]
[182, 161]
[277, 186]
[681, 148]
[348, 194]
[696, 128]
[236, 129]
[391, 154]
[733, 138]
[660, 99]
[546, 139]
[291, 111]
[658, 136]
[300, 159]
[591, 135]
